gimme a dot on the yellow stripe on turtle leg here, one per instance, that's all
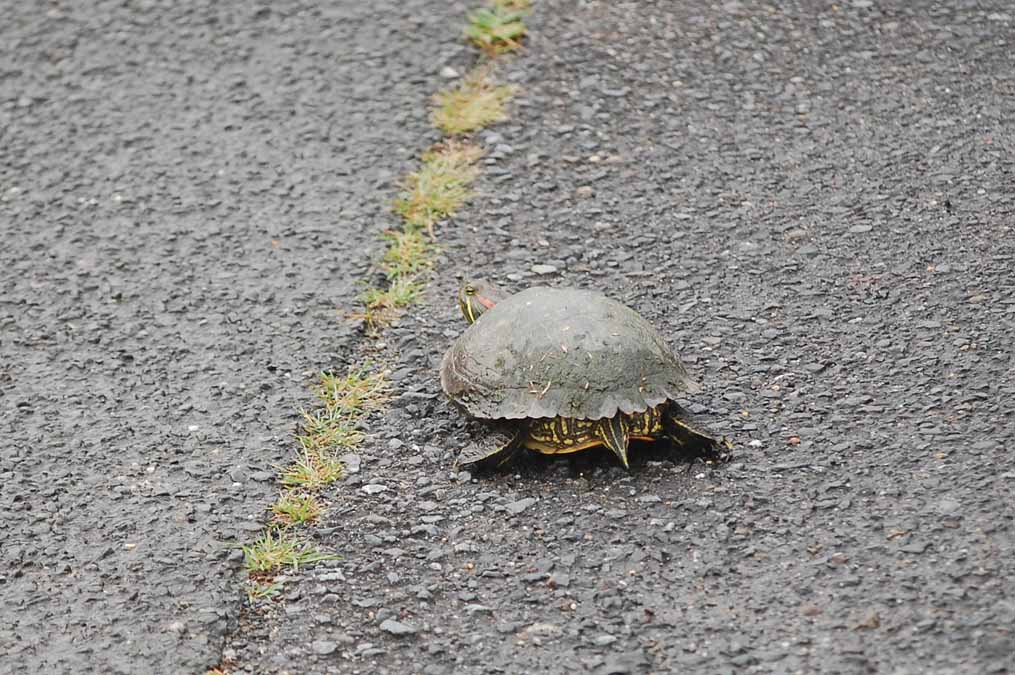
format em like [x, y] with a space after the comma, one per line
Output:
[495, 448]
[613, 433]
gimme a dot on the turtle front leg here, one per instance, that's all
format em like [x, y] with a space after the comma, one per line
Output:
[493, 450]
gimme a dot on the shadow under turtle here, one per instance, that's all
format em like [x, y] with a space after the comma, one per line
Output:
[558, 371]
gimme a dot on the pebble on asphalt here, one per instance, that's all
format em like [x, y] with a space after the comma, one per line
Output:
[324, 647]
[515, 508]
[398, 628]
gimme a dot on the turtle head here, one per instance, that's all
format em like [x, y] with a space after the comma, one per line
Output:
[476, 296]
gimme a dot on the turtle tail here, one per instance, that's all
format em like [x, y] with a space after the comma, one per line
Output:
[613, 434]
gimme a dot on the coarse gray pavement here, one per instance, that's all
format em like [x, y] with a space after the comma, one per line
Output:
[814, 202]
[189, 192]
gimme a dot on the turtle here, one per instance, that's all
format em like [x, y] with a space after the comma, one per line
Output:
[560, 370]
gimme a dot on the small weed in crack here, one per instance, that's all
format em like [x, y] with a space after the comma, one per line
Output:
[325, 429]
[382, 306]
[474, 104]
[440, 187]
[354, 394]
[408, 253]
[312, 470]
[258, 589]
[295, 507]
[496, 29]
[277, 549]
[520, 6]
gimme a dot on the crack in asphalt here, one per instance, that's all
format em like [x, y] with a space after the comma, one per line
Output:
[188, 192]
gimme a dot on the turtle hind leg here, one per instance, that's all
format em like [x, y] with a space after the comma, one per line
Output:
[689, 437]
[494, 449]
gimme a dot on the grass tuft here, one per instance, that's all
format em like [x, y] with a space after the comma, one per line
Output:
[440, 187]
[382, 306]
[326, 430]
[475, 103]
[262, 590]
[496, 29]
[400, 293]
[520, 6]
[312, 470]
[277, 549]
[354, 394]
[452, 153]
[373, 320]
[296, 508]
[408, 253]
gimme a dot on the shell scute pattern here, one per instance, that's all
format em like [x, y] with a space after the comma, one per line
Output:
[548, 352]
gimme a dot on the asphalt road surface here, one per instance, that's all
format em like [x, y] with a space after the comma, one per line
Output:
[188, 193]
[812, 201]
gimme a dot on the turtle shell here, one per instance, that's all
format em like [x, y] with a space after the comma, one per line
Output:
[548, 352]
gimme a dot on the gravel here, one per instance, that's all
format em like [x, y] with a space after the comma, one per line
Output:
[832, 263]
[175, 182]
[518, 507]
[324, 647]
[824, 193]
[398, 628]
